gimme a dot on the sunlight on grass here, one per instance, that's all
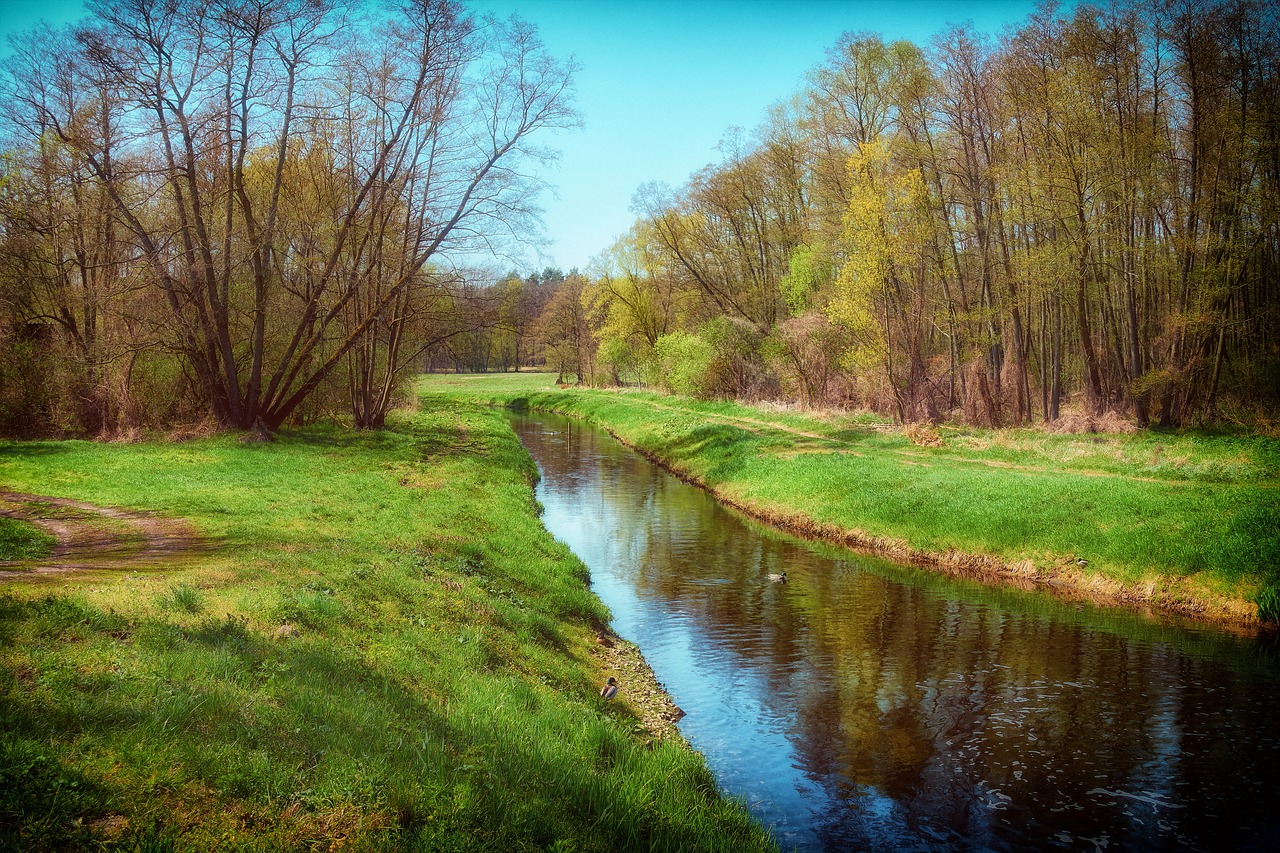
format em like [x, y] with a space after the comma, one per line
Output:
[402, 666]
[183, 597]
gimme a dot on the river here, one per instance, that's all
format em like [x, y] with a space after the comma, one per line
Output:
[866, 706]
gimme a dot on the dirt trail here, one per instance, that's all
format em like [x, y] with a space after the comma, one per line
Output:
[818, 443]
[96, 537]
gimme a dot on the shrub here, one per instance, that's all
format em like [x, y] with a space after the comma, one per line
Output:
[624, 360]
[680, 363]
[736, 367]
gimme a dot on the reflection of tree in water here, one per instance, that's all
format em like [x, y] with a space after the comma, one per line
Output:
[935, 722]
[981, 724]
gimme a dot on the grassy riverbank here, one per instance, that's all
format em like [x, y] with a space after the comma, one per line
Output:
[383, 650]
[1187, 521]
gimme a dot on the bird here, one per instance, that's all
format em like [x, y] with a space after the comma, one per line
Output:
[1082, 562]
[610, 688]
[782, 578]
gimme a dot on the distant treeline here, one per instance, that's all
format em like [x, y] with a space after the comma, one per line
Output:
[500, 325]
[1083, 211]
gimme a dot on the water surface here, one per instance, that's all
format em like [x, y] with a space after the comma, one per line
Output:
[867, 706]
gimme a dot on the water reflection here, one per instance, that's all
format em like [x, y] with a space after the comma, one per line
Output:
[862, 706]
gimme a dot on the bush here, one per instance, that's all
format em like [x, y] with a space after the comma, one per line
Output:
[680, 364]
[26, 397]
[736, 368]
[624, 360]
[805, 353]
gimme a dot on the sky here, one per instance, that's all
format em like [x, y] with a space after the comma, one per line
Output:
[661, 84]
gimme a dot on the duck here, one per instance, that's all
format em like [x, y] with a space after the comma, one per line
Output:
[610, 688]
[778, 578]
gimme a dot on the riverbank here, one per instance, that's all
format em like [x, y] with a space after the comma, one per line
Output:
[376, 647]
[1186, 523]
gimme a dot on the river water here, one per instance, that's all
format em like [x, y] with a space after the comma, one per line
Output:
[865, 706]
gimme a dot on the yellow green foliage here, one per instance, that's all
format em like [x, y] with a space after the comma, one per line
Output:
[885, 221]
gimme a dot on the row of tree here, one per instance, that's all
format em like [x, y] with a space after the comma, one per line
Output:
[1084, 211]
[244, 210]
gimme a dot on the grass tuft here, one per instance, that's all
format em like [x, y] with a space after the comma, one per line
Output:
[21, 540]
[182, 597]
[1269, 603]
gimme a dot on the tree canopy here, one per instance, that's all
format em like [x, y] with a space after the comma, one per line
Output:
[1081, 213]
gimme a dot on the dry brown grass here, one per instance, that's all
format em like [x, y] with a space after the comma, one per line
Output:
[923, 435]
[1074, 423]
[194, 430]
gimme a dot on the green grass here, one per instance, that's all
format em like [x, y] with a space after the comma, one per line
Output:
[183, 597]
[21, 540]
[386, 652]
[1185, 519]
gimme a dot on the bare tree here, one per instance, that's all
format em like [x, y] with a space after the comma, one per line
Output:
[303, 189]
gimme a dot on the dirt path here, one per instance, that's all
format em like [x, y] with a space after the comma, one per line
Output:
[96, 537]
[818, 443]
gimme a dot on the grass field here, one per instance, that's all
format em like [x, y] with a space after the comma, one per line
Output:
[384, 650]
[1188, 521]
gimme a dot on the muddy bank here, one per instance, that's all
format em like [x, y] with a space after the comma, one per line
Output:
[638, 687]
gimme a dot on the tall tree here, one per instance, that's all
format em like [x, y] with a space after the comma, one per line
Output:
[289, 211]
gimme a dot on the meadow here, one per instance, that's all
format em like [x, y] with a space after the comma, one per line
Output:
[1186, 521]
[379, 648]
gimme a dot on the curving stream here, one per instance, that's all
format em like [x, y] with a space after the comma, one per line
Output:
[867, 706]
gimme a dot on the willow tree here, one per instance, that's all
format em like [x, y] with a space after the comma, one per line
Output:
[732, 229]
[638, 296]
[281, 206]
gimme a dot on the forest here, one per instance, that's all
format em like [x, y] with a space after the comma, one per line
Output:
[234, 213]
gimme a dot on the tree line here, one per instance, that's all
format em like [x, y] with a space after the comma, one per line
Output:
[1081, 213]
[246, 211]
[250, 211]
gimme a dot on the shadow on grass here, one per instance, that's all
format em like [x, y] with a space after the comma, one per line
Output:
[10, 449]
[423, 437]
[721, 444]
[197, 734]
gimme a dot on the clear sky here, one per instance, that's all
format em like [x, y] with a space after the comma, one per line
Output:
[662, 82]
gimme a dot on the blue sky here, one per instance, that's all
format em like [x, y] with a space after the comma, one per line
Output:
[662, 82]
